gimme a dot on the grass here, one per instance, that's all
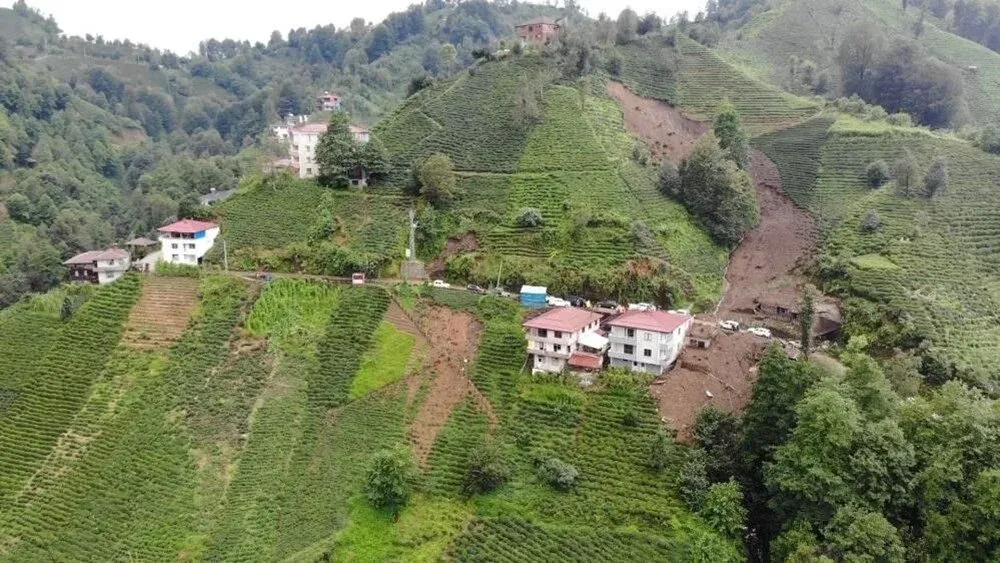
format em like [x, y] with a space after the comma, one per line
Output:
[385, 362]
[873, 262]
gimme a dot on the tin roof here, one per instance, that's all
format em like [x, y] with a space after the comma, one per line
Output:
[563, 319]
[92, 256]
[187, 226]
[585, 361]
[656, 321]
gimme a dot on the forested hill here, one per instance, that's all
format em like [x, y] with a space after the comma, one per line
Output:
[102, 140]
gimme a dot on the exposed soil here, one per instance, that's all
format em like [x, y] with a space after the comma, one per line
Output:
[400, 319]
[661, 126]
[465, 243]
[162, 313]
[726, 370]
[769, 261]
[453, 337]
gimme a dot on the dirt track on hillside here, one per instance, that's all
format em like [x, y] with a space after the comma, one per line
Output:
[769, 260]
[668, 134]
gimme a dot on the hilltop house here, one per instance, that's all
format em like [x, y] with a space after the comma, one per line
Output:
[98, 266]
[329, 102]
[304, 139]
[539, 31]
[647, 341]
[565, 337]
[187, 241]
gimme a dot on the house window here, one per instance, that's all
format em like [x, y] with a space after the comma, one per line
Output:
[557, 348]
[558, 334]
[630, 332]
[174, 245]
[542, 333]
[648, 353]
[648, 336]
[629, 349]
[173, 257]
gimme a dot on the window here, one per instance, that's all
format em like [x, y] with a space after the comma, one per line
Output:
[629, 349]
[648, 337]
[174, 245]
[542, 333]
[557, 347]
[558, 334]
[648, 353]
[174, 257]
[630, 332]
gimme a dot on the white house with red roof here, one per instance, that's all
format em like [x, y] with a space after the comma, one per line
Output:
[187, 241]
[99, 266]
[565, 337]
[647, 341]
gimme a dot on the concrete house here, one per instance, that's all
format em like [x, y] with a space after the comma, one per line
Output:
[329, 102]
[647, 341]
[558, 335]
[539, 31]
[99, 266]
[305, 137]
[187, 241]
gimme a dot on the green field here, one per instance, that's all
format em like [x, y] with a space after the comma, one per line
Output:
[936, 260]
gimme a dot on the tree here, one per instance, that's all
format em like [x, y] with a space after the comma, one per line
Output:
[858, 57]
[437, 179]
[557, 473]
[487, 469]
[905, 173]
[530, 218]
[855, 535]
[807, 315]
[526, 104]
[649, 23]
[19, 207]
[669, 179]
[732, 137]
[389, 479]
[627, 26]
[662, 451]
[718, 434]
[339, 154]
[448, 54]
[936, 180]
[718, 193]
[723, 509]
[694, 481]
[877, 173]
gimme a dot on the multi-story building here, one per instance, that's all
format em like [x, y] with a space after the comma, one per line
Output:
[539, 31]
[556, 336]
[187, 241]
[647, 341]
[98, 266]
[329, 102]
[305, 137]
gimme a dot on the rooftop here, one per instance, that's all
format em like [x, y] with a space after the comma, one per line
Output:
[310, 128]
[537, 21]
[356, 130]
[187, 226]
[92, 256]
[583, 360]
[141, 241]
[656, 321]
[534, 289]
[563, 319]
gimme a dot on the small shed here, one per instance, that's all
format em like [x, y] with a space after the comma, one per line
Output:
[140, 247]
[702, 334]
[533, 296]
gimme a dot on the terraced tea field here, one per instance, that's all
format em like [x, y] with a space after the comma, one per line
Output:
[162, 313]
[935, 260]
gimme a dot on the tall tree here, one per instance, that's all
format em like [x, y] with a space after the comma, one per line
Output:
[858, 57]
[627, 26]
[437, 178]
[936, 180]
[732, 137]
[807, 316]
[905, 173]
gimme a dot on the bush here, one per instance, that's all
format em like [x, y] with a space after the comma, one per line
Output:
[872, 223]
[694, 478]
[900, 119]
[530, 217]
[630, 419]
[557, 473]
[670, 180]
[662, 451]
[877, 173]
[486, 471]
[389, 480]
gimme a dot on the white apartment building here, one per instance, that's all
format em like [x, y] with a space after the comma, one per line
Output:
[563, 337]
[305, 137]
[187, 241]
[99, 266]
[647, 341]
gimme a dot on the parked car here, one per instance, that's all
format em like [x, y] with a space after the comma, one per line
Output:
[501, 292]
[556, 302]
[475, 288]
[576, 300]
[641, 307]
[759, 331]
[607, 304]
[440, 283]
[729, 325]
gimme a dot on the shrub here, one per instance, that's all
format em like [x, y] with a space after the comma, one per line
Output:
[877, 173]
[389, 480]
[936, 180]
[694, 478]
[662, 451]
[557, 473]
[630, 419]
[530, 217]
[900, 119]
[486, 471]
[670, 180]
[723, 509]
[872, 223]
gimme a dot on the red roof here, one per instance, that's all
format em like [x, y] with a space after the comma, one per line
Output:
[187, 226]
[583, 360]
[94, 255]
[311, 128]
[656, 321]
[563, 319]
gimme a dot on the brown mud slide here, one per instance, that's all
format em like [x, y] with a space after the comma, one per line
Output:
[453, 337]
[661, 126]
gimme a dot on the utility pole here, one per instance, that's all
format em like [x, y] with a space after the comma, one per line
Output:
[500, 273]
[413, 233]
[225, 255]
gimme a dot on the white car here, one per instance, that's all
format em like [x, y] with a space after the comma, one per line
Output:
[729, 325]
[440, 283]
[760, 331]
[557, 302]
[641, 307]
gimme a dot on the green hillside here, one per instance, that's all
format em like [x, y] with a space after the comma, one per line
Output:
[574, 164]
[933, 260]
[812, 30]
[247, 439]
